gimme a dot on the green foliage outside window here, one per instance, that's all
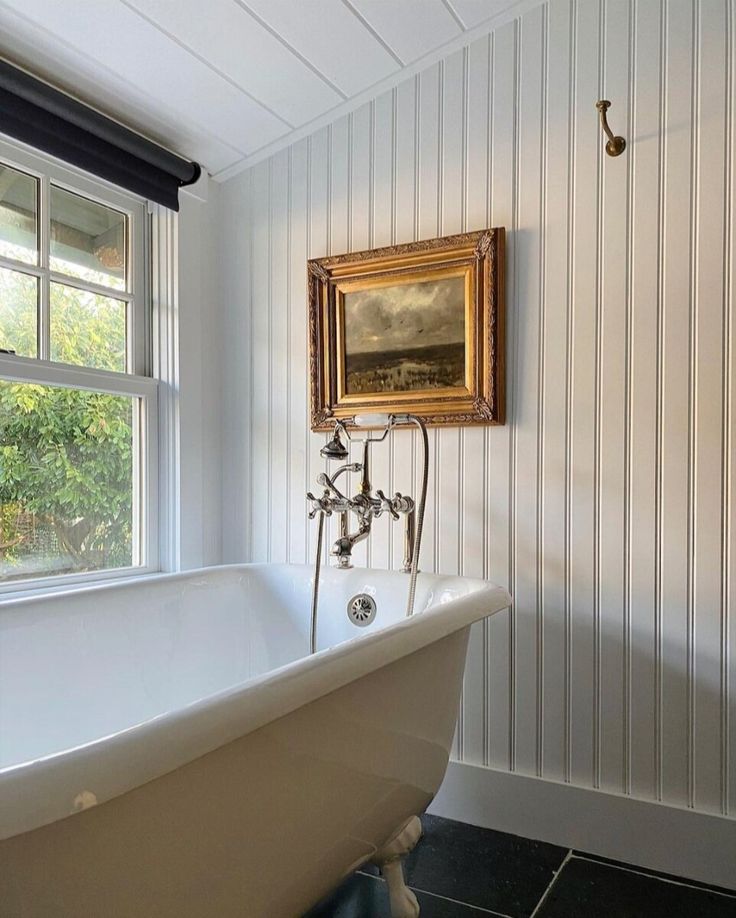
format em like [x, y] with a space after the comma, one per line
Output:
[66, 456]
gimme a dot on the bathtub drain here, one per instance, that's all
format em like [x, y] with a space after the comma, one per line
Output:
[362, 610]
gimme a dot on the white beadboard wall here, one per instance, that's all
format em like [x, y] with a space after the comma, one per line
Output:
[199, 394]
[605, 504]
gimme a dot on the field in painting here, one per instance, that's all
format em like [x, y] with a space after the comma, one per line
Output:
[431, 367]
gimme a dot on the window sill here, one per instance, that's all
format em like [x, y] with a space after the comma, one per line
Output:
[49, 586]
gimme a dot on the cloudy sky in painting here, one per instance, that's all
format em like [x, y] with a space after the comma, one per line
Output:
[406, 316]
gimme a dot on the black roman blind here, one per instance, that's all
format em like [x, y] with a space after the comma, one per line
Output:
[39, 115]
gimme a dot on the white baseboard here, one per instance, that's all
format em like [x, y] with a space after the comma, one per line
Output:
[675, 840]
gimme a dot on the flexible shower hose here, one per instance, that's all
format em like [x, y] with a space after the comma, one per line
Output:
[315, 590]
[420, 516]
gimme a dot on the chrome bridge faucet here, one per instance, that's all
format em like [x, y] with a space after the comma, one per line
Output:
[365, 505]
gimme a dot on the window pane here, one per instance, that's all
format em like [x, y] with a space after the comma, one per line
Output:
[87, 329]
[18, 312]
[88, 240]
[66, 480]
[18, 220]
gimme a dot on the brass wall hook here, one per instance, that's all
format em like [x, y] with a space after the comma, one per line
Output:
[615, 145]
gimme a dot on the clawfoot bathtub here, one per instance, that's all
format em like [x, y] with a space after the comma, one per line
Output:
[168, 747]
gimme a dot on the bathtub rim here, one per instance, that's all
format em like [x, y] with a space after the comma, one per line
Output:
[37, 792]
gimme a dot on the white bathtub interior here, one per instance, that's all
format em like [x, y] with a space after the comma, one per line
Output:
[87, 664]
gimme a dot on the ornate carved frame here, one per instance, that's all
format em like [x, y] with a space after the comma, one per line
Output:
[478, 255]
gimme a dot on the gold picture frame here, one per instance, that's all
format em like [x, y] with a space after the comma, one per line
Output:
[415, 328]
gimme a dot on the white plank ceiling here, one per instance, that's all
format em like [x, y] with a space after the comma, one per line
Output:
[228, 82]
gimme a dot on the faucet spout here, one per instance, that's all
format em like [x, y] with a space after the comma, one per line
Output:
[343, 547]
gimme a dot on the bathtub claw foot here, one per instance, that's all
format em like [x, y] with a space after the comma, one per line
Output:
[388, 859]
[403, 903]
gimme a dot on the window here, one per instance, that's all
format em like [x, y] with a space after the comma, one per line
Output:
[78, 407]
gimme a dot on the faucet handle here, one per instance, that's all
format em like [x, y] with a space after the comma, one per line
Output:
[319, 504]
[402, 504]
[387, 504]
[329, 486]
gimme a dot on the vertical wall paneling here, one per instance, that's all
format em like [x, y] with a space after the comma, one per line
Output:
[657, 585]
[280, 364]
[566, 737]
[674, 424]
[553, 409]
[340, 240]
[643, 365]
[381, 223]
[261, 361]
[606, 502]
[298, 400]
[473, 480]
[707, 407]
[612, 407]
[404, 216]
[452, 101]
[361, 166]
[729, 403]
[429, 160]
[318, 244]
[694, 228]
[237, 365]
[582, 393]
[525, 383]
[449, 441]
[194, 273]
[502, 143]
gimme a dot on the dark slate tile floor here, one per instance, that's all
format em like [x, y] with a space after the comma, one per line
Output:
[461, 871]
[587, 888]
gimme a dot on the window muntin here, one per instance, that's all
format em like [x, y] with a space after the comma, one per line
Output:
[75, 314]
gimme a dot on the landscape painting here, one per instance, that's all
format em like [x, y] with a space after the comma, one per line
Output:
[414, 330]
[405, 337]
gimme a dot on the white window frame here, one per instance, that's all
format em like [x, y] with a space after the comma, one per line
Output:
[150, 543]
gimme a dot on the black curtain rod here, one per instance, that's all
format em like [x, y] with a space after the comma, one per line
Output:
[44, 117]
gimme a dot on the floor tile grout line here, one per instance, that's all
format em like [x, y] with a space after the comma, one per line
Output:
[477, 908]
[592, 859]
[554, 879]
[426, 892]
